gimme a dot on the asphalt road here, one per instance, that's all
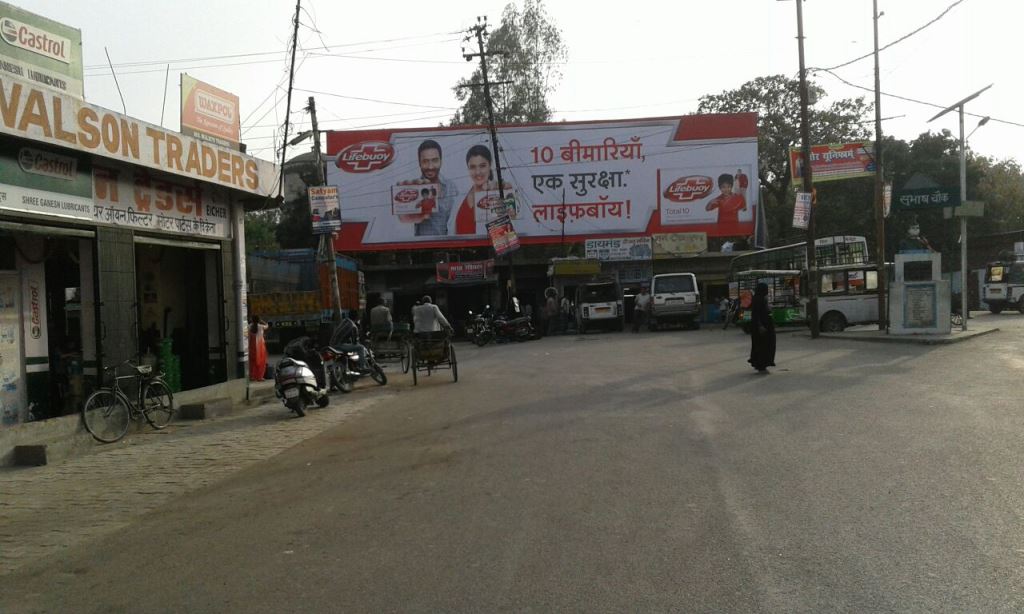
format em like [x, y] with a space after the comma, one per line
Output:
[614, 472]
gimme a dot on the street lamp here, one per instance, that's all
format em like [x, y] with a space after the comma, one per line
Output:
[984, 120]
[959, 106]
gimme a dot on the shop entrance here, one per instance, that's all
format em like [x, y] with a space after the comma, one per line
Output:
[180, 313]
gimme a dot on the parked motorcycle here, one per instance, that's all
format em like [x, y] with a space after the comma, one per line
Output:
[346, 359]
[513, 329]
[479, 328]
[296, 384]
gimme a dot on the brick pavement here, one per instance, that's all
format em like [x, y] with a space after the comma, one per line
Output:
[45, 510]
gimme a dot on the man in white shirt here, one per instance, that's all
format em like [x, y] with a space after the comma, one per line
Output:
[641, 308]
[427, 318]
[380, 320]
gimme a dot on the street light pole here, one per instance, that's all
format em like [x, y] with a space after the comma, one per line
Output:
[883, 315]
[959, 106]
[805, 136]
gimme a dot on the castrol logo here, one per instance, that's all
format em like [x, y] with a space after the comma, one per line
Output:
[687, 189]
[365, 157]
[406, 196]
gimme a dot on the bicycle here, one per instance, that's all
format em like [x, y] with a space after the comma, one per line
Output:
[108, 411]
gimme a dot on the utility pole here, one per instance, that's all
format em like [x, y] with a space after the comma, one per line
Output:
[883, 315]
[321, 179]
[288, 109]
[480, 32]
[805, 136]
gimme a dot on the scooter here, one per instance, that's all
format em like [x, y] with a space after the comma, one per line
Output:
[296, 385]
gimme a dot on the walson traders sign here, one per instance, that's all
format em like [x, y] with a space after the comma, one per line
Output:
[32, 112]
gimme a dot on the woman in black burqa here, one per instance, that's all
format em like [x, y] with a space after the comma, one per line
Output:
[762, 331]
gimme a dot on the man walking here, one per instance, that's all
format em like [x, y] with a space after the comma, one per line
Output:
[641, 308]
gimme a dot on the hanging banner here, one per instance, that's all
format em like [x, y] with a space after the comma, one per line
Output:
[677, 244]
[466, 272]
[576, 180]
[209, 114]
[802, 210]
[38, 114]
[324, 209]
[834, 162]
[620, 249]
[503, 236]
[40, 50]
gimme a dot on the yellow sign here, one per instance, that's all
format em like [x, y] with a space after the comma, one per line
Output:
[677, 244]
[576, 267]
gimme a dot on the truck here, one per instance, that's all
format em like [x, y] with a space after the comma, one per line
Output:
[1004, 284]
[291, 291]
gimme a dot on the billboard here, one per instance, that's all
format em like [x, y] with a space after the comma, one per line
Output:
[209, 114]
[834, 162]
[576, 180]
[41, 51]
[46, 116]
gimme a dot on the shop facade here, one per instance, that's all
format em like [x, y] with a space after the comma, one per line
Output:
[115, 248]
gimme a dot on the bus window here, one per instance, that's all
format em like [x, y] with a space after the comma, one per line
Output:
[855, 280]
[833, 282]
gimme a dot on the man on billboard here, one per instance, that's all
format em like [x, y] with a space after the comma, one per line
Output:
[728, 203]
[431, 220]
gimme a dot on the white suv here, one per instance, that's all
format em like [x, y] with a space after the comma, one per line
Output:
[675, 298]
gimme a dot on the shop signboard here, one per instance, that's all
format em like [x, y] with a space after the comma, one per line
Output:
[209, 114]
[926, 198]
[676, 244]
[619, 249]
[40, 50]
[324, 209]
[631, 273]
[834, 162]
[466, 272]
[132, 197]
[33, 112]
[577, 180]
[41, 180]
[575, 266]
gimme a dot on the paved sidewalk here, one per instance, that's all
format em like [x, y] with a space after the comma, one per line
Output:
[45, 510]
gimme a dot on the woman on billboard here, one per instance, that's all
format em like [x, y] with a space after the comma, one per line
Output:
[479, 162]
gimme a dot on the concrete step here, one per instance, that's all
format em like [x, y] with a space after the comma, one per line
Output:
[206, 410]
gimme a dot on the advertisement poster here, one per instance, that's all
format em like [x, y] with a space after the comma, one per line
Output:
[126, 196]
[619, 249]
[676, 244]
[41, 51]
[834, 162]
[466, 272]
[209, 114]
[13, 400]
[324, 209]
[577, 180]
[503, 236]
[802, 210]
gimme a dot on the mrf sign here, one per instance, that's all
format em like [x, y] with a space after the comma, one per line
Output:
[42, 51]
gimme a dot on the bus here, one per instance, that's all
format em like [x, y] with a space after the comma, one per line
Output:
[848, 282]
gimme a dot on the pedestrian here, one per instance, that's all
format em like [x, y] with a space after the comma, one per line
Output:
[257, 349]
[723, 309]
[641, 308]
[762, 331]
[551, 312]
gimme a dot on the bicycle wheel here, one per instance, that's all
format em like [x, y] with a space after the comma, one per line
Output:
[157, 404]
[106, 415]
[406, 357]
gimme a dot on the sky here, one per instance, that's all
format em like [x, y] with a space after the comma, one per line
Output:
[380, 64]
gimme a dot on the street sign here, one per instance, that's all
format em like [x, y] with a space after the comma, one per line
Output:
[970, 208]
[926, 198]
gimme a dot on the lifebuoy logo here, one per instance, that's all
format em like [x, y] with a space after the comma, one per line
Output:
[688, 189]
[39, 162]
[36, 40]
[214, 107]
[365, 157]
[407, 196]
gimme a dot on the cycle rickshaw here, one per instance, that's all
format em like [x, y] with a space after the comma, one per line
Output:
[392, 346]
[432, 352]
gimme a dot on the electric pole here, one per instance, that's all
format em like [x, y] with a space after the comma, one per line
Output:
[288, 108]
[805, 135]
[480, 32]
[321, 179]
[883, 315]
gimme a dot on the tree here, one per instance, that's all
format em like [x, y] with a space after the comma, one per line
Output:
[776, 99]
[530, 48]
[260, 227]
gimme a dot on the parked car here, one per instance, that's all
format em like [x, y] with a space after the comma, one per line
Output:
[599, 305]
[675, 300]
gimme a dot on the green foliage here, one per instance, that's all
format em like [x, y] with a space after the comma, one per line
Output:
[294, 228]
[260, 229]
[532, 48]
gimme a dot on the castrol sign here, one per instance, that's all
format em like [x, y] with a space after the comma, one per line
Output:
[35, 40]
[365, 157]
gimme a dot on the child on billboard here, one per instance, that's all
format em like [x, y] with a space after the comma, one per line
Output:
[729, 203]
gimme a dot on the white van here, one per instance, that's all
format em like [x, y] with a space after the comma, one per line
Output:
[599, 304]
[675, 298]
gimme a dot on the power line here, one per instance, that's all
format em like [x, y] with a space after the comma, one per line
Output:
[914, 100]
[404, 104]
[898, 40]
